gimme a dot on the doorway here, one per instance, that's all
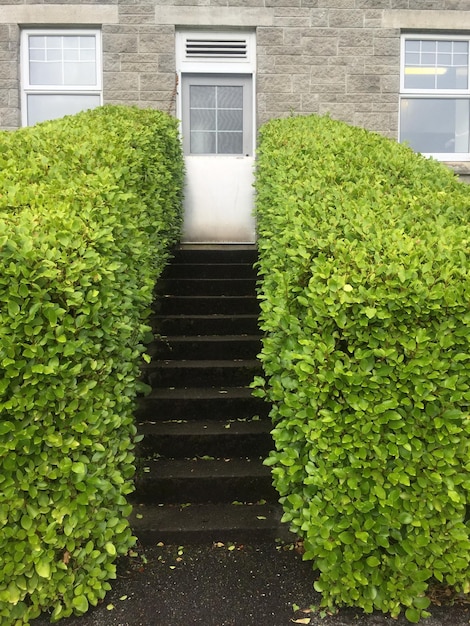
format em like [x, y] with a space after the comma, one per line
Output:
[218, 126]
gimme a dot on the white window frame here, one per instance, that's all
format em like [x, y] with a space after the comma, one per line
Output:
[445, 94]
[28, 89]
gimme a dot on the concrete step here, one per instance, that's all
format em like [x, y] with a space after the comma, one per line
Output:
[200, 403]
[207, 286]
[176, 481]
[216, 254]
[200, 347]
[227, 438]
[206, 523]
[184, 373]
[210, 270]
[206, 305]
[205, 324]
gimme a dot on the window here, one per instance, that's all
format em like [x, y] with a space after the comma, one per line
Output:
[435, 96]
[217, 114]
[61, 73]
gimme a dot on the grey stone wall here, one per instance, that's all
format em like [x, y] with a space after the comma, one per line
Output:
[313, 56]
[9, 76]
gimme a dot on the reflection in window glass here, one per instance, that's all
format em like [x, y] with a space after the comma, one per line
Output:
[435, 125]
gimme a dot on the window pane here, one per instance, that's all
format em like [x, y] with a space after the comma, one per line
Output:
[230, 97]
[203, 119]
[434, 64]
[202, 96]
[79, 73]
[48, 107]
[47, 73]
[230, 143]
[230, 120]
[53, 42]
[435, 125]
[63, 60]
[203, 142]
[37, 42]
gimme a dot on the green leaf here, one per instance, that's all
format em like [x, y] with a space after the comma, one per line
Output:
[80, 604]
[413, 615]
[13, 308]
[43, 568]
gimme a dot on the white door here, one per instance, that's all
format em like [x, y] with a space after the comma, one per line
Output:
[217, 117]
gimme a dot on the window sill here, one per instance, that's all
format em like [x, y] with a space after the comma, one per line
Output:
[461, 168]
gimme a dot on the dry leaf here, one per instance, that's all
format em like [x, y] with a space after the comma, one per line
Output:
[302, 620]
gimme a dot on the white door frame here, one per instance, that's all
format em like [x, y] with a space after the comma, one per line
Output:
[219, 194]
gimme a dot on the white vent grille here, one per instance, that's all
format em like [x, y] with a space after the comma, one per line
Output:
[216, 49]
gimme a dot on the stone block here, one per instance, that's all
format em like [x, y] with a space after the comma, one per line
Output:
[364, 51]
[345, 18]
[378, 122]
[355, 38]
[457, 5]
[10, 118]
[323, 74]
[266, 64]
[282, 3]
[390, 84]
[337, 4]
[373, 4]
[138, 66]
[111, 62]
[426, 5]
[373, 19]
[340, 112]
[14, 98]
[278, 83]
[266, 36]
[157, 82]
[319, 18]
[363, 84]
[155, 43]
[296, 36]
[121, 81]
[166, 63]
[288, 17]
[309, 102]
[283, 103]
[389, 46]
[120, 43]
[321, 46]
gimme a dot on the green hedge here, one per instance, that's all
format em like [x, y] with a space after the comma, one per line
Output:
[365, 295]
[89, 208]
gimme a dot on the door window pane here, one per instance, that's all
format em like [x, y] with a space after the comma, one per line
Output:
[435, 125]
[216, 108]
[230, 143]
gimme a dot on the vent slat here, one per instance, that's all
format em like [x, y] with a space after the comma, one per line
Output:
[216, 48]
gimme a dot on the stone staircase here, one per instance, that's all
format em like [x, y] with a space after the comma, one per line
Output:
[200, 475]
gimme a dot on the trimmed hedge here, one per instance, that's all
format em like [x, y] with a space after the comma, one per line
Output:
[89, 208]
[365, 291]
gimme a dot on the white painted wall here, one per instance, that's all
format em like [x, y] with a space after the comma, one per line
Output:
[219, 199]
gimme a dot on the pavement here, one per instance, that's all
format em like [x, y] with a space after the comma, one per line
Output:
[224, 584]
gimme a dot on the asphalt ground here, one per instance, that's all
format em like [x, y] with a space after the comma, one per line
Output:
[233, 585]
